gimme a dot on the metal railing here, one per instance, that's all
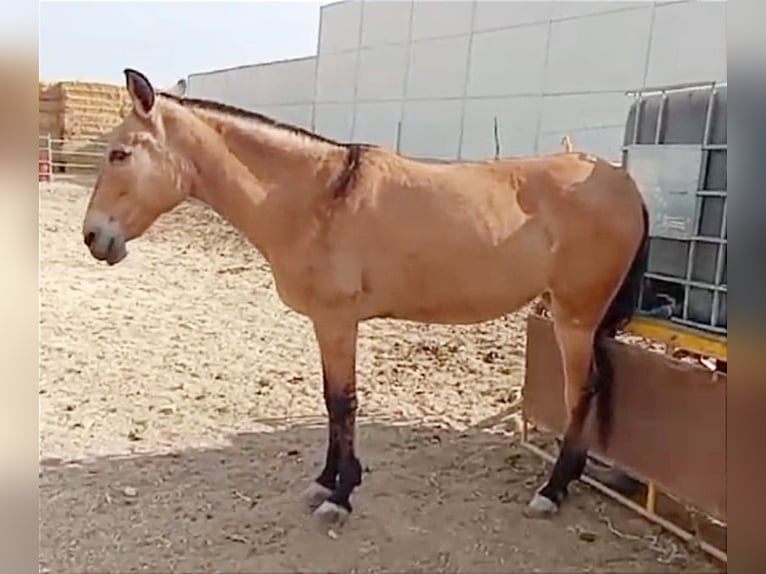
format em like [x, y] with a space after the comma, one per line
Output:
[68, 159]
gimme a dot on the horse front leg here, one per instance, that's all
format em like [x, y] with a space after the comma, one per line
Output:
[329, 496]
[324, 485]
[580, 385]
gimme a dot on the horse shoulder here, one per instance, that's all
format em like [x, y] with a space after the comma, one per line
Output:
[321, 269]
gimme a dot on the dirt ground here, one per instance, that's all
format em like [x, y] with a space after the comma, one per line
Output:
[181, 416]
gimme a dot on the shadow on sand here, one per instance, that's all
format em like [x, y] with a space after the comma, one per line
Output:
[431, 500]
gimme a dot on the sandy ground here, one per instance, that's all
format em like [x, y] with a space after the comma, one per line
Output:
[181, 416]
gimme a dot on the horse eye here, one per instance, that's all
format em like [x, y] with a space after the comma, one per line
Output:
[118, 155]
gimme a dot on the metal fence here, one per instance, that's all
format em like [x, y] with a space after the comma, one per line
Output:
[72, 160]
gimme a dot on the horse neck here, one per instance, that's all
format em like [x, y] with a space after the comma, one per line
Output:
[263, 187]
[289, 163]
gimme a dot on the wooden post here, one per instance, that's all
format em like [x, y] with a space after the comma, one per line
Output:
[651, 497]
[49, 147]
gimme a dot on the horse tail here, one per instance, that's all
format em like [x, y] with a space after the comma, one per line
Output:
[619, 313]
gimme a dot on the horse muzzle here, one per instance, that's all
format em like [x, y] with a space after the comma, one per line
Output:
[104, 238]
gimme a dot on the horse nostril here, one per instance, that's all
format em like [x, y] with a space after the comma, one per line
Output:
[89, 237]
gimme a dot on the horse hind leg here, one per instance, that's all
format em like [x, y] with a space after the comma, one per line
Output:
[581, 330]
[576, 345]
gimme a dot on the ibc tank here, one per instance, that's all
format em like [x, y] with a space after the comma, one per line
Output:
[675, 148]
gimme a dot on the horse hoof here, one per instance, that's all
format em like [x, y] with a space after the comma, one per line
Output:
[314, 495]
[330, 515]
[540, 507]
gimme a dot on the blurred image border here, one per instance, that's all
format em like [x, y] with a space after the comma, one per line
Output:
[18, 287]
[746, 394]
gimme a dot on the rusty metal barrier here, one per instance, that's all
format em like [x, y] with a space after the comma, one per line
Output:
[669, 424]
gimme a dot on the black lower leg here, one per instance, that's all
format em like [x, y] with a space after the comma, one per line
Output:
[343, 420]
[568, 467]
[329, 474]
[573, 453]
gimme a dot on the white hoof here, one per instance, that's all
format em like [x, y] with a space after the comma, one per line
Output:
[314, 495]
[540, 507]
[331, 515]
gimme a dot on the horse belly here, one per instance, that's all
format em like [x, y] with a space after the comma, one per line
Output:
[466, 283]
[464, 307]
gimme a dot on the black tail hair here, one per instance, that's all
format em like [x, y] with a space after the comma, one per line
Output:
[620, 312]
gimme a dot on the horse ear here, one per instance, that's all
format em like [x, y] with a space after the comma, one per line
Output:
[141, 91]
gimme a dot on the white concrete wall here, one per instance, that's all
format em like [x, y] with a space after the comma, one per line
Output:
[517, 123]
[334, 120]
[543, 68]
[701, 54]
[283, 89]
[434, 75]
[431, 128]
[377, 122]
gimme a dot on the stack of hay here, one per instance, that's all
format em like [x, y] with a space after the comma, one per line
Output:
[48, 118]
[81, 114]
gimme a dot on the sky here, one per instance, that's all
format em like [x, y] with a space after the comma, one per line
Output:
[96, 40]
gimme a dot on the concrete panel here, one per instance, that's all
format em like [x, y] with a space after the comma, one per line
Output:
[334, 121]
[517, 127]
[437, 68]
[290, 81]
[382, 72]
[376, 123]
[335, 77]
[431, 128]
[503, 13]
[284, 82]
[208, 86]
[339, 26]
[241, 88]
[297, 115]
[386, 22]
[441, 18]
[584, 111]
[701, 56]
[510, 61]
[603, 142]
[574, 9]
[603, 52]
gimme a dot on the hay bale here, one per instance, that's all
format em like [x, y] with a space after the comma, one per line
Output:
[82, 114]
[49, 106]
[92, 110]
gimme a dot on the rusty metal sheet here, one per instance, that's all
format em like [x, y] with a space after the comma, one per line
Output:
[669, 416]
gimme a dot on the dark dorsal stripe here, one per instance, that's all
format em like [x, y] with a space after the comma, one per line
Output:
[240, 113]
[236, 112]
[346, 180]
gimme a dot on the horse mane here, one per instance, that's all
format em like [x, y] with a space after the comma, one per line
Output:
[353, 147]
[233, 111]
